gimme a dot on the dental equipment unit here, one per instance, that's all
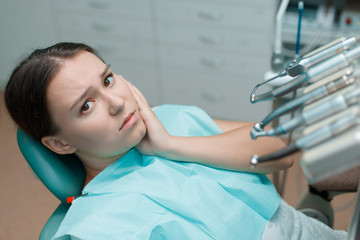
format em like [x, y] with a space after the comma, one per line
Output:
[344, 122]
[316, 113]
[324, 106]
[307, 98]
[312, 67]
[331, 157]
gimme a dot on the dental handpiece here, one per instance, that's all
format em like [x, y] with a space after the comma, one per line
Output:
[313, 74]
[307, 98]
[314, 138]
[325, 109]
[326, 132]
[301, 64]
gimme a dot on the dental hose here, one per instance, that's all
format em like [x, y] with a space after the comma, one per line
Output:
[311, 75]
[300, 10]
[334, 105]
[288, 150]
[316, 137]
[290, 106]
[307, 98]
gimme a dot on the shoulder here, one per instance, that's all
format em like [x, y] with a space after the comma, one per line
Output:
[176, 108]
[174, 111]
[179, 118]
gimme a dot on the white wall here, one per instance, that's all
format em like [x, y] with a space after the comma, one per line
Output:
[170, 56]
[24, 25]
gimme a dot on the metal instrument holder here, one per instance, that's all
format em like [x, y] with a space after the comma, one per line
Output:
[354, 227]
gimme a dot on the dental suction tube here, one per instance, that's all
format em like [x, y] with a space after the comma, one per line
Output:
[325, 109]
[307, 98]
[312, 74]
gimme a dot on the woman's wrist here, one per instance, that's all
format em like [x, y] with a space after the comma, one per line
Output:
[171, 148]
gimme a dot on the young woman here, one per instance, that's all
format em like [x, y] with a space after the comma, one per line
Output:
[151, 174]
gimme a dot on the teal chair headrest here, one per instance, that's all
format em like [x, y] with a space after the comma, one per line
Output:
[63, 175]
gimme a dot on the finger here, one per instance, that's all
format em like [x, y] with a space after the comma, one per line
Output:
[135, 94]
[145, 110]
[139, 93]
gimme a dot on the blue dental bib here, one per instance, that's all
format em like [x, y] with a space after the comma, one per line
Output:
[149, 197]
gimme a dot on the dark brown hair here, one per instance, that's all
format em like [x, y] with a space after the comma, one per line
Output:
[25, 92]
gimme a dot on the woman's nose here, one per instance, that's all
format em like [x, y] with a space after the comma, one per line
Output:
[116, 103]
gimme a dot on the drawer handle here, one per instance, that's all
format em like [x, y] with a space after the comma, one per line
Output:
[101, 27]
[99, 4]
[104, 48]
[210, 15]
[213, 97]
[212, 62]
[216, 40]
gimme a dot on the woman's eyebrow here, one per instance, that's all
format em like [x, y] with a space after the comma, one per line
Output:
[82, 96]
[103, 74]
[80, 99]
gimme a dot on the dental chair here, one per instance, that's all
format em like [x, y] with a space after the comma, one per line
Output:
[315, 201]
[63, 175]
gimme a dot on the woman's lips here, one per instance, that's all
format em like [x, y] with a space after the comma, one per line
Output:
[129, 121]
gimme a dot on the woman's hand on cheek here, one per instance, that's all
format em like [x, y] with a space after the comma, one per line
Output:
[157, 139]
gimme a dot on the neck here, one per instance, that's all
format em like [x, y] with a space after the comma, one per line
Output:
[90, 174]
[93, 166]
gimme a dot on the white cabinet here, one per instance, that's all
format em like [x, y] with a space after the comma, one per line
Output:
[224, 14]
[212, 54]
[120, 30]
[209, 53]
[24, 25]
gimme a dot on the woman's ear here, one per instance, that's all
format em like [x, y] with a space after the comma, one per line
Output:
[57, 145]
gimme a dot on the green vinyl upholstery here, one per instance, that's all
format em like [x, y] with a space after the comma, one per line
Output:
[63, 175]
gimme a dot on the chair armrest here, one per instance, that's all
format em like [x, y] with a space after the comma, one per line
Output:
[54, 222]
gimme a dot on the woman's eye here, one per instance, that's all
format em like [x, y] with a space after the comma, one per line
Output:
[88, 104]
[108, 80]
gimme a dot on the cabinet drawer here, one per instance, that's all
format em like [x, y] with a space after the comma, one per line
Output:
[111, 50]
[222, 96]
[129, 51]
[224, 40]
[238, 64]
[104, 27]
[234, 3]
[109, 8]
[143, 76]
[194, 13]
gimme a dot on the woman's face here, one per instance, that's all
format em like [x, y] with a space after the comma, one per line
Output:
[94, 108]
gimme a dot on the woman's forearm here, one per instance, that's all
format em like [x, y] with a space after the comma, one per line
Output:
[231, 150]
